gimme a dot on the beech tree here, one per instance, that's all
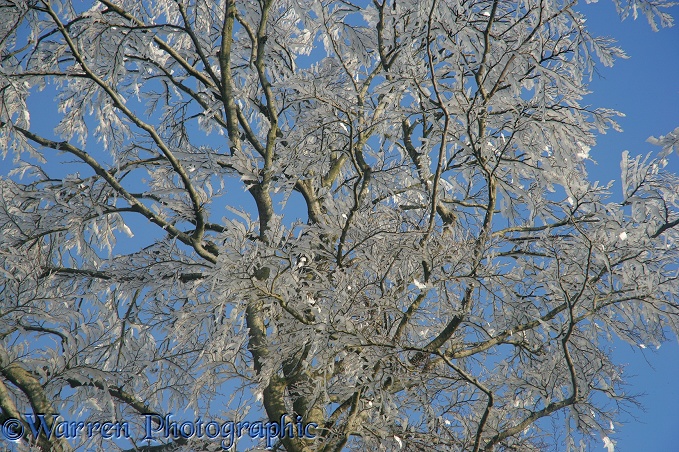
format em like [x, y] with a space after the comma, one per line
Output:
[373, 216]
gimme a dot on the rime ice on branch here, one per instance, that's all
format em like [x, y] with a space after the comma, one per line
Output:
[375, 216]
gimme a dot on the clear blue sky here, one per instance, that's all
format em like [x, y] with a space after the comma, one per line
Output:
[646, 88]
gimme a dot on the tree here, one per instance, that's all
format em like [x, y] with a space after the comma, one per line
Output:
[374, 216]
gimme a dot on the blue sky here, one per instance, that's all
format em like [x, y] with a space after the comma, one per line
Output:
[646, 88]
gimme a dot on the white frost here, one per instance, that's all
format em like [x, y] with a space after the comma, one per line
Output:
[126, 230]
[419, 285]
[609, 444]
